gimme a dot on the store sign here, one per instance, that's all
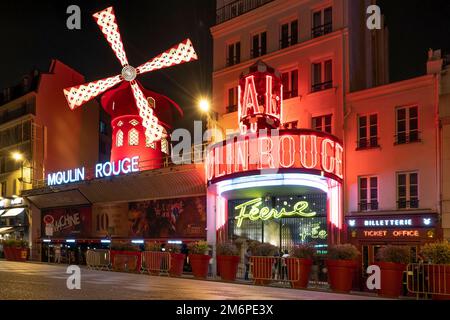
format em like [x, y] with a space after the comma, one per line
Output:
[293, 149]
[106, 169]
[391, 233]
[65, 222]
[253, 211]
[394, 222]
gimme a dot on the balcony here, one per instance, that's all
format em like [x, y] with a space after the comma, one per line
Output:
[322, 86]
[288, 41]
[408, 204]
[368, 206]
[321, 30]
[231, 61]
[258, 52]
[404, 138]
[290, 94]
[237, 8]
[232, 108]
[369, 143]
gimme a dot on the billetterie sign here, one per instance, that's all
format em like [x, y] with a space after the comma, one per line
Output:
[306, 150]
[105, 169]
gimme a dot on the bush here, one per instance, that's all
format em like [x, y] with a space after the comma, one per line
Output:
[394, 254]
[303, 251]
[343, 252]
[15, 243]
[264, 250]
[153, 246]
[437, 253]
[173, 248]
[124, 246]
[198, 247]
[227, 249]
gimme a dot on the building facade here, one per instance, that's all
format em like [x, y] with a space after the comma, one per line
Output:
[334, 73]
[32, 114]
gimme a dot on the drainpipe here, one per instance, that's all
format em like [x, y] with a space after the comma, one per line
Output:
[439, 178]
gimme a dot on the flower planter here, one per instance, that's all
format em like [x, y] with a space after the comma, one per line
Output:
[262, 269]
[298, 272]
[340, 274]
[227, 267]
[439, 281]
[199, 264]
[176, 264]
[391, 279]
[15, 254]
[128, 261]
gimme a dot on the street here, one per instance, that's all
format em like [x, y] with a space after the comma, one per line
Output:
[40, 281]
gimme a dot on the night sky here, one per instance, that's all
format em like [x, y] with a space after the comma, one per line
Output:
[33, 32]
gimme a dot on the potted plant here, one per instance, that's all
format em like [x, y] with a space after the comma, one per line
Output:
[199, 258]
[125, 257]
[392, 262]
[299, 265]
[227, 260]
[153, 257]
[341, 263]
[263, 261]
[176, 260]
[438, 254]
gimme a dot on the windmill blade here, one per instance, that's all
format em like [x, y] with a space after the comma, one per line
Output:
[153, 131]
[106, 20]
[181, 53]
[78, 95]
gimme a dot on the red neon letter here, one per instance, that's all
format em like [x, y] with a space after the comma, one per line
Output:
[327, 166]
[287, 152]
[265, 153]
[250, 99]
[308, 152]
[338, 158]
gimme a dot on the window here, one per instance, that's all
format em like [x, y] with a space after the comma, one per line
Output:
[102, 127]
[2, 165]
[134, 122]
[322, 22]
[259, 45]
[290, 84]
[408, 190]
[290, 125]
[289, 34]
[322, 123]
[407, 125]
[102, 147]
[232, 99]
[322, 75]
[133, 137]
[234, 54]
[164, 146]
[3, 191]
[119, 138]
[368, 193]
[368, 131]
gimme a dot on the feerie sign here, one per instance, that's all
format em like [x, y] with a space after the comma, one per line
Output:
[106, 169]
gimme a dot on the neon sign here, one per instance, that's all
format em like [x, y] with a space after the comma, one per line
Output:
[252, 210]
[313, 231]
[106, 169]
[391, 233]
[293, 149]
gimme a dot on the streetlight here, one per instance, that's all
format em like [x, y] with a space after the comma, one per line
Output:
[204, 105]
[19, 157]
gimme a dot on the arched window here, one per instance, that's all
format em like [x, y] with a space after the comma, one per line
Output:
[119, 138]
[133, 137]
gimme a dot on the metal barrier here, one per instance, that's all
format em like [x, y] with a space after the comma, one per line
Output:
[267, 270]
[156, 263]
[428, 279]
[98, 259]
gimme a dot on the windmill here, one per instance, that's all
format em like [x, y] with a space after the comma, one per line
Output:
[181, 53]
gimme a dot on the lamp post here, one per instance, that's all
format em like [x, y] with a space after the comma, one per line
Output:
[205, 107]
[19, 157]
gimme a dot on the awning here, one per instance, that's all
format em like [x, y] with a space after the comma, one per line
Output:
[13, 212]
[5, 230]
[1, 212]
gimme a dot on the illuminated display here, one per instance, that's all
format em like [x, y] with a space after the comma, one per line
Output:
[106, 169]
[298, 149]
[252, 210]
[391, 233]
[393, 222]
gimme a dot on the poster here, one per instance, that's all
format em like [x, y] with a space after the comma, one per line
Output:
[73, 222]
[110, 220]
[174, 218]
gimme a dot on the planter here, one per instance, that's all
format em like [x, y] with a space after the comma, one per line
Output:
[340, 274]
[15, 254]
[199, 264]
[128, 261]
[391, 279]
[439, 281]
[299, 271]
[262, 269]
[227, 267]
[176, 264]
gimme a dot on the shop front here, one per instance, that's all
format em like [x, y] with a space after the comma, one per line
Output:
[371, 232]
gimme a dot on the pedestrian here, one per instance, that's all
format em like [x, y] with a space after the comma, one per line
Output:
[284, 265]
[247, 257]
[58, 253]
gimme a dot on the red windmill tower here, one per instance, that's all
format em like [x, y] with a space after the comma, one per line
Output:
[137, 127]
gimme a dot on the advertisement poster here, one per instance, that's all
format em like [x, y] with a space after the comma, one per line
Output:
[74, 222]
[181, 218]
[110, 220]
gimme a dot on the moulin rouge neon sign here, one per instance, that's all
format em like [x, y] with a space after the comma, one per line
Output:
[253, 211]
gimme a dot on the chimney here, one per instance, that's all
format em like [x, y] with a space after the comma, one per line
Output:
[435, 61]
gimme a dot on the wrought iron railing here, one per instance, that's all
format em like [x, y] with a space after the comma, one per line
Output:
[368, 143]
[408, 204]
[322, 30]
[322, 86]
[404, 138]
[288, 41]
[237, 8]
[366, 206]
